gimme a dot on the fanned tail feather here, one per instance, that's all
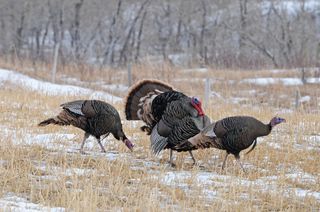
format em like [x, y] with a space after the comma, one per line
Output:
[140, 93]
[158, 143]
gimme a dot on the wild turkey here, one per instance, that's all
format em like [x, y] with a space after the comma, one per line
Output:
[95, 117]
[171, 117]
[234, 134]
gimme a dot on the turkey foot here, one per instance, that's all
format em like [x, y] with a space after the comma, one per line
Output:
[194, 160]
[198, 165]
[173, 165]
[83, 152]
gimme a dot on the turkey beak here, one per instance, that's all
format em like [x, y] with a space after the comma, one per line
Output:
[129, 144]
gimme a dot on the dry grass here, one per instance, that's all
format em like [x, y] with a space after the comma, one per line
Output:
[53, 173]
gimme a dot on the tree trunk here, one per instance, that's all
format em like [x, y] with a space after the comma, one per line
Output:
[76, 25]
[136, 57]
[130, 33]
[202, 52]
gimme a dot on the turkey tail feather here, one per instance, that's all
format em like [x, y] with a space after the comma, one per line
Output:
[143, 88]
[48, 121]
[65, 118]
[55, 120]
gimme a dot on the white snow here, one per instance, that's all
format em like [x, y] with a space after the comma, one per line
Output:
[307, 193]
[12, 202]
[116, 87]
[315, 138]
[64, 142]
[285, 81]
[51, 88]
[237, 100]
[274, 145]
[44, 138]
[67, 172]
[202, 178]
[313, 80]
[200, 70]
[182, 179]
[188, 80]
[270, 81]
[311, 142]
[302, 177]
[49, 141]
[277, 71]
[305, 99]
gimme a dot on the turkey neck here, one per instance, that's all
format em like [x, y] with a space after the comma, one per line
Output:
[263, 129]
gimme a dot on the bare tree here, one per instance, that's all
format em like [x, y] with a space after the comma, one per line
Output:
[220, 33]
[123, 56]
[139, 36]
[75, 29]
[203, 49]
[112, 37]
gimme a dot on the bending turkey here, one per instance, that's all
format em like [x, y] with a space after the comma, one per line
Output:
[170, 116]
[95, 117]
[234, 134]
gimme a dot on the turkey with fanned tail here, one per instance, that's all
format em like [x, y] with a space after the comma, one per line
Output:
[95, 117]
[170, 117]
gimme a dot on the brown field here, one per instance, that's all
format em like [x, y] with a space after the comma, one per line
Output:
[44, 165]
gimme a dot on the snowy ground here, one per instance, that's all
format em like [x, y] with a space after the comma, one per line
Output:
[51, 88]
[208, 184]
[284, 81]
[12, 202]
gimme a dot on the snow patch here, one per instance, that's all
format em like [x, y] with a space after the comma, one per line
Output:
[274, 145]
[199, 70]
[12, 202]
[313, 80]
[305, 99]
[202, 178]
[302, 177]
[307, 193]
[51, 88]
[48, 141]
[271, 81]
[116, 87]
[284, 81]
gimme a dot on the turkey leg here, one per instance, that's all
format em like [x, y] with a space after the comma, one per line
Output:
[224, 161]
[239, 162]
[101, 146]
[170, 159]
[86, 135]
[194, 160]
